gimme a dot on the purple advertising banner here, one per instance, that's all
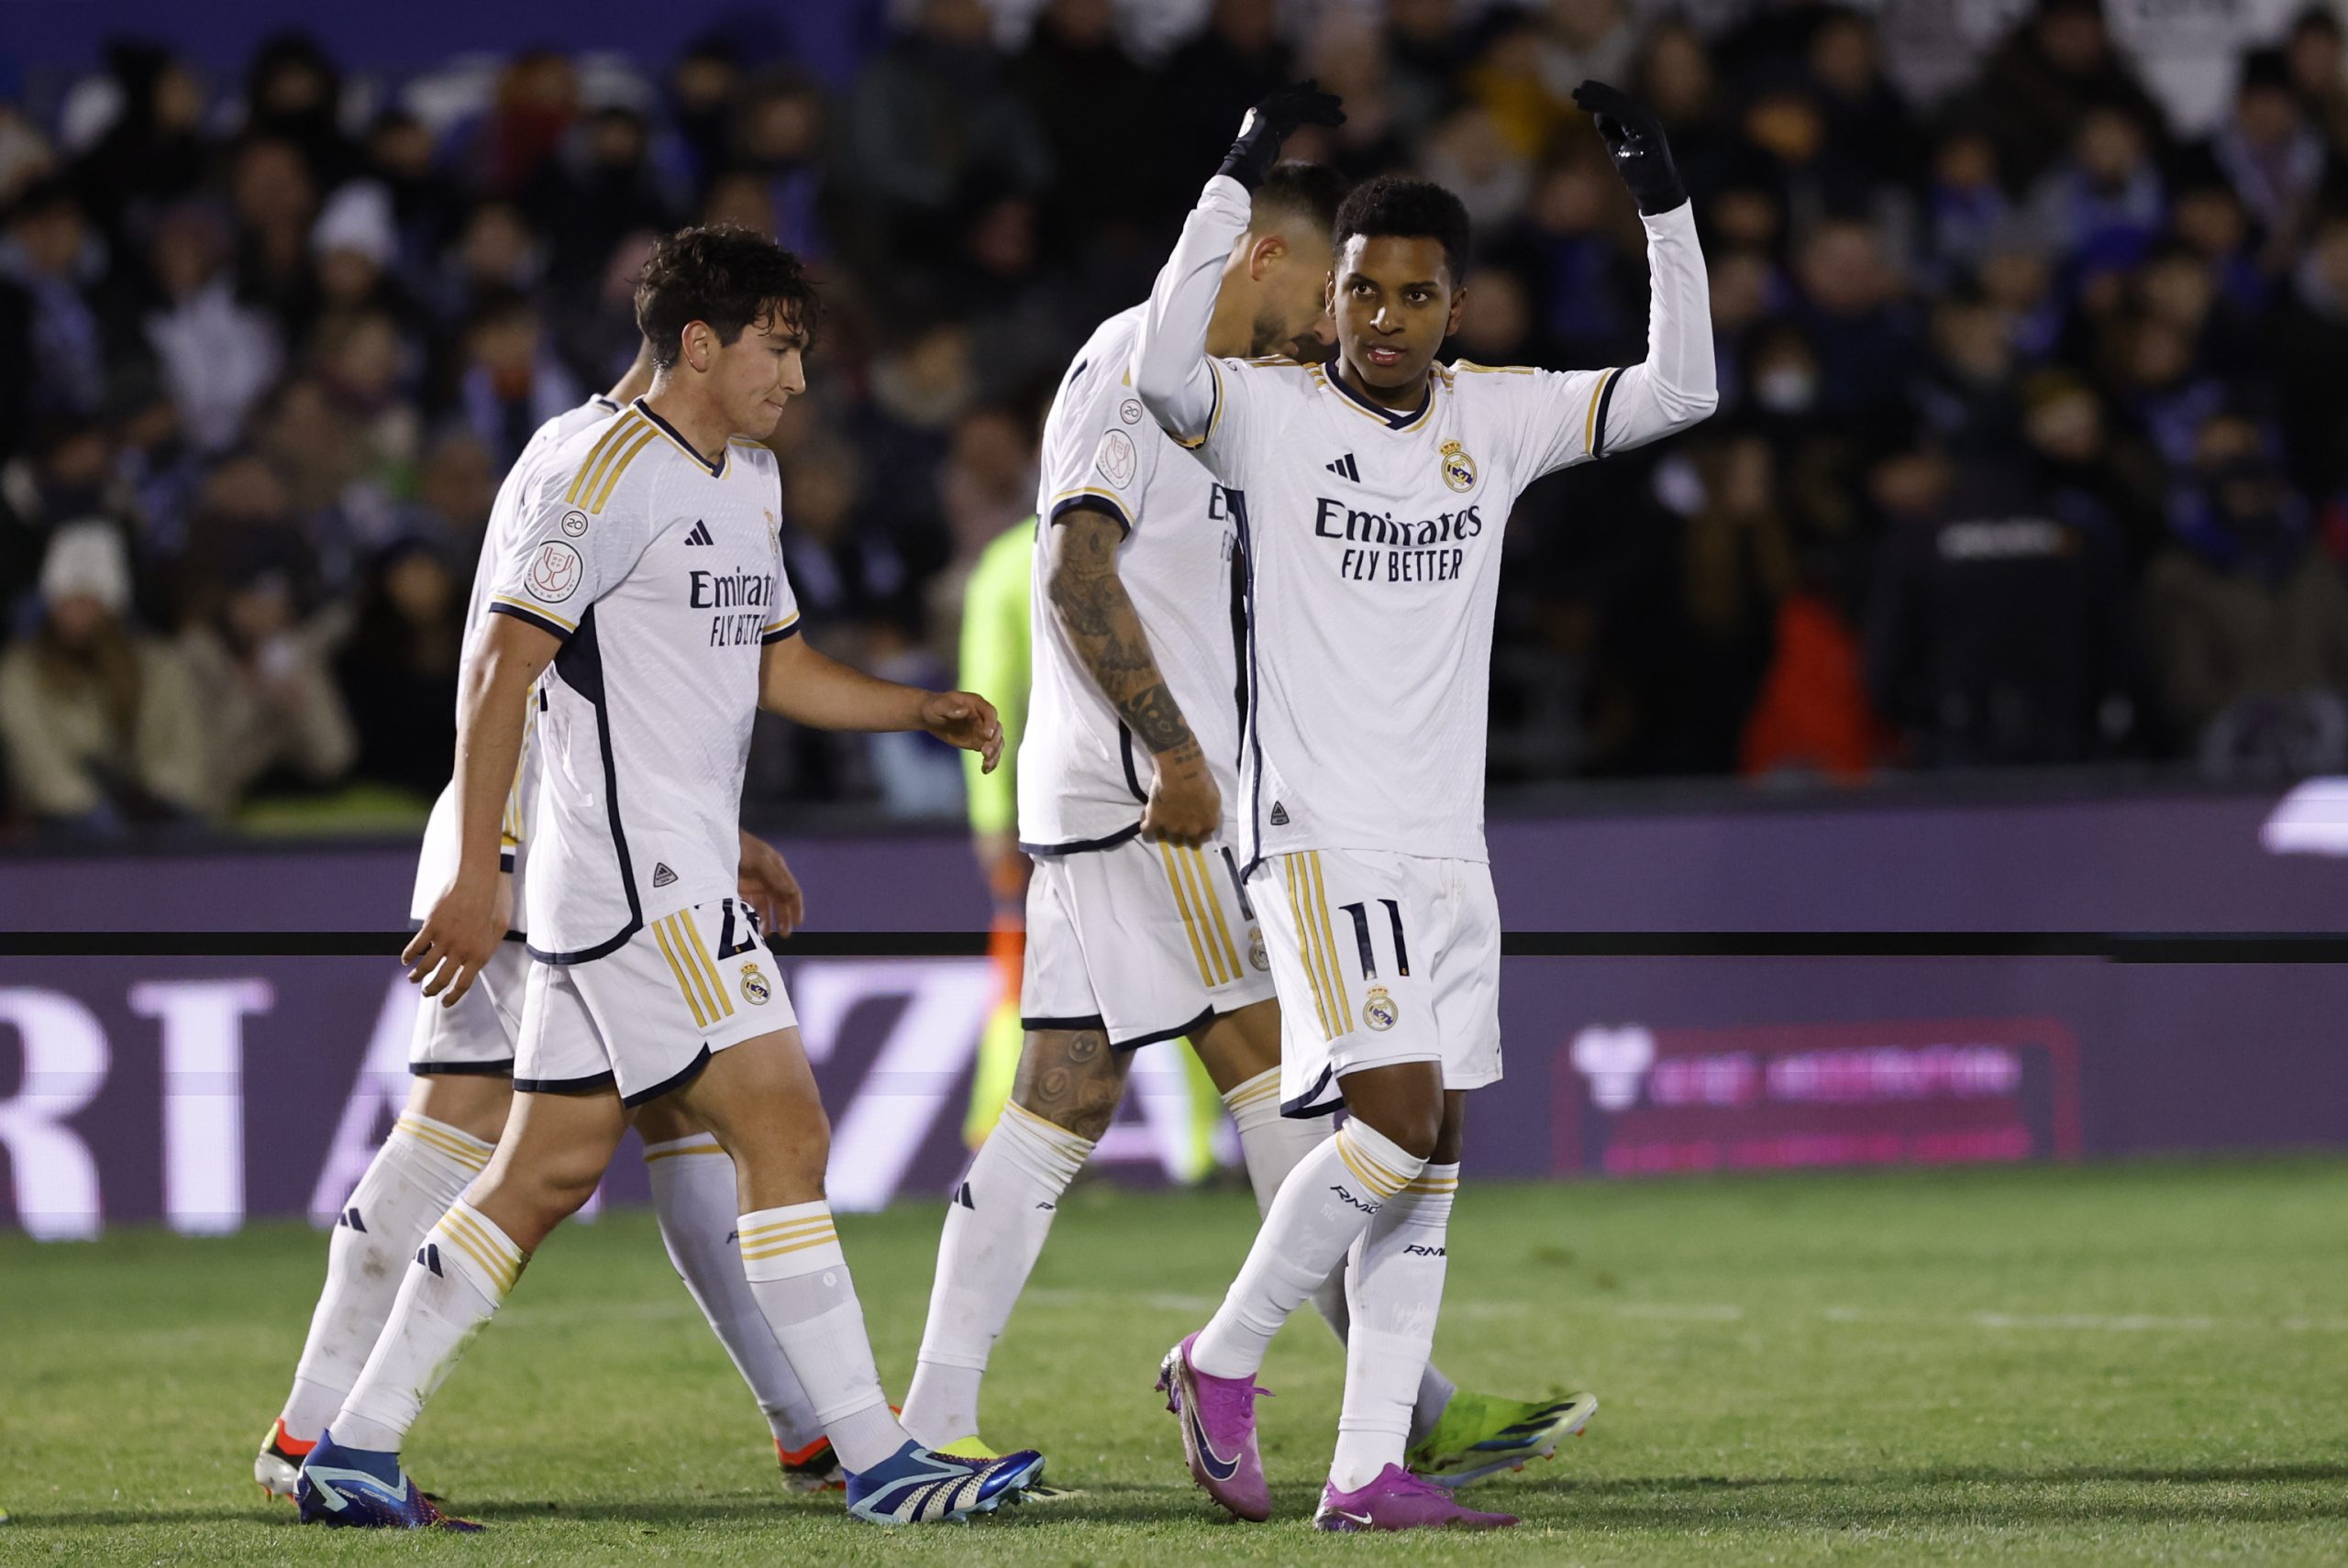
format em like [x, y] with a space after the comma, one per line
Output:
[205, 1091]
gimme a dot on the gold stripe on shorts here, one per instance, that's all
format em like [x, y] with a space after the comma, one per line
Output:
[709, 965]
[1304, 943]
[661, 936]
[1207, 892]
[1189, 921]
[1345, 1008]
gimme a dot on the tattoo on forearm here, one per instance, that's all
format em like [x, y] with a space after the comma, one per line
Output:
[1107, 632]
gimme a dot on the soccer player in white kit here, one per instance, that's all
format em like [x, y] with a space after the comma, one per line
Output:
[1139, 928]
[1372, 494]
[462, 1061]
[647, 587]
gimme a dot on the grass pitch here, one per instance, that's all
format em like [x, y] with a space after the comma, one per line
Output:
[2137, 1364]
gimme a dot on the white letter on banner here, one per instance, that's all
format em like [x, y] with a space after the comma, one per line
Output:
[375, 1100]
[65, 1057]
[898, 1102]
[203, 1096]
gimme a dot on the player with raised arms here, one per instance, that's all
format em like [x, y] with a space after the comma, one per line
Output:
[461, 1060]
[648, 589]
[1138, 930]
[1371, 495]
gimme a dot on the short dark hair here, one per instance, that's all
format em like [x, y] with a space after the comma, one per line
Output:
[1312, 192]
[1409, 209]
[728, 276]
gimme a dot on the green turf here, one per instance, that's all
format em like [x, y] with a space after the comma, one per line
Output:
[2105, 1365]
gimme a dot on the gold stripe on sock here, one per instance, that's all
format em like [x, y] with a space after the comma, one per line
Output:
[1395, 1180]
[504, 1271]
[1360, 1175]
[1068, 1142]
[827, 1240]
[785, 1230]
[463, 1153]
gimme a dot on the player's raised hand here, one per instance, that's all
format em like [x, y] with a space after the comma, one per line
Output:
[460, 934]
[1633, 136]
[967, 720]
[765, 884]
[1184, 807]
[1272, 122]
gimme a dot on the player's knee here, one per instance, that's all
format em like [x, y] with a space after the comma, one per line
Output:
[1411, 1126]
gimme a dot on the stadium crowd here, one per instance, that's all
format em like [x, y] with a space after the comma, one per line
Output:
[2034, 444]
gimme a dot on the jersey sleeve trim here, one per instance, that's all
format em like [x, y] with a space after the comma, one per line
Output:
[1214, 414]
[1091, 499]
[1593, 424]
[529, 614]
[779, 630]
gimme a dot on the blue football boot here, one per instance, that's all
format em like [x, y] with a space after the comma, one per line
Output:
[366, 1488]
[916, 1485]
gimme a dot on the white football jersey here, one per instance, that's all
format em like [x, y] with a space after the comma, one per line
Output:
[1083, 777]
[437, 865]
[1372, 538]
[661, 572]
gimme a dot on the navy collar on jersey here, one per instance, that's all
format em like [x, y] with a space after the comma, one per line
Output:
[1395, 419]
[716, 468]
[599, 400]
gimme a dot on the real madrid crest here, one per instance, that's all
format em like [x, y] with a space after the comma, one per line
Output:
[1255, 953]
[1458, 468]
[1378, 1010]
[755, 988]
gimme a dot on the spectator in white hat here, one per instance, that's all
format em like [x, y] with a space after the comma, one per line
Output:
[99, 721]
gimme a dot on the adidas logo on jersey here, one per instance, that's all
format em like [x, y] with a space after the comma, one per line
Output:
[963, 1197]
[1343, 468]
[1280, 814]
[662, 875]
[700, 535]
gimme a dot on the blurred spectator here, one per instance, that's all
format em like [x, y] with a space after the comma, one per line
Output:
[1075, 79]
[272, 717]
[934, 116]
[154, 153]
[399, 668]
[2048, 75]
[276, 201]
[1995, 630]
[510, 382]
[55, 265]
[100, 723]
[293, 95]
[2275, 157]
[2249, 621]
[217, 354]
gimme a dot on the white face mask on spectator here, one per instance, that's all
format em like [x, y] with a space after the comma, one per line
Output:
[1787, 389]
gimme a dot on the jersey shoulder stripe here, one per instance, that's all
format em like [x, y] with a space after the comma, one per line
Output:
[1493, 369]
[599, 470]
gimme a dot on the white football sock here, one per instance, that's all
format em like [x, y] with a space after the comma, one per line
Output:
[792, 1259]
[1394, 1285]
[1272, 1144]
[464, 1268]
[421, 1169]
[694, 1193]
[1328, 1201]
[994, 1232]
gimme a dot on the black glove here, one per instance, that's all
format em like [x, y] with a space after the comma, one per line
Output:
[1272, 122]
[1634, 135]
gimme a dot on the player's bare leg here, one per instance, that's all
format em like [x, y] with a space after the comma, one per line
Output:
[442, 1139]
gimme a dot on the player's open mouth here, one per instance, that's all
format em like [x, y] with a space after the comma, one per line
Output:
[1383, 358]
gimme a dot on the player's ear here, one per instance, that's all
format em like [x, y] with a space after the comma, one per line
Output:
[1263, 253]
[699, 341]
[1459, 311]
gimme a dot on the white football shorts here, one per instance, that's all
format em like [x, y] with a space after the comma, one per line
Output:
[1380, 958]
[1144, 942]
[648, 1015]
[476, 1036]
